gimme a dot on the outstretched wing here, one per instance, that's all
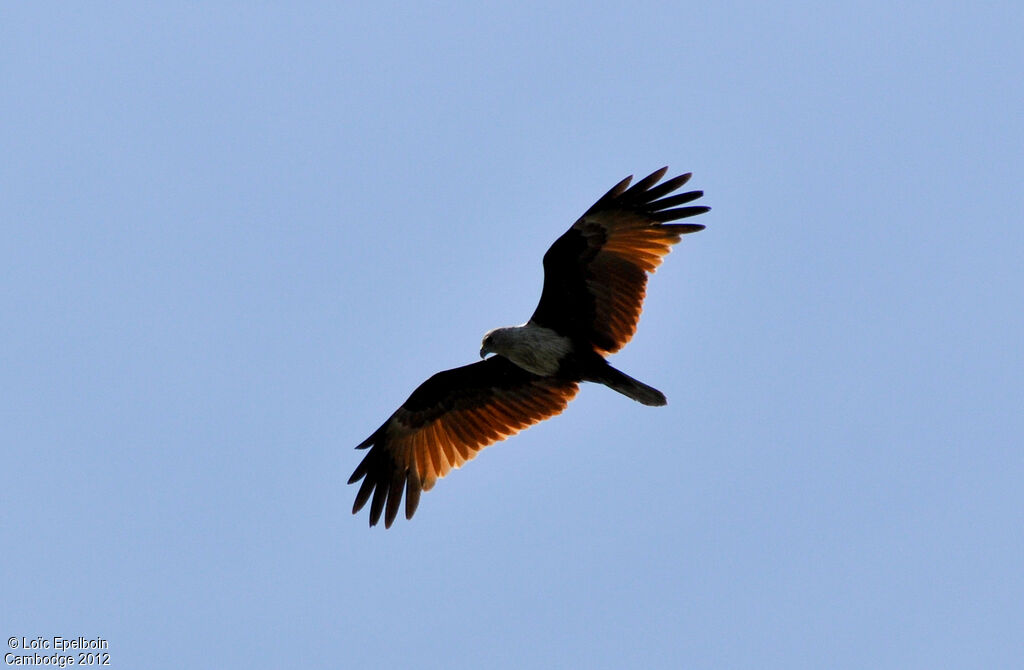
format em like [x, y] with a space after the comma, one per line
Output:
[595, 275]
[444, 423]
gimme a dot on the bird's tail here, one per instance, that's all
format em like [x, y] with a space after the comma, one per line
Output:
[631, 388]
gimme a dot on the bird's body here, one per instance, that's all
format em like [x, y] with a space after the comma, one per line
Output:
[595, 277]
[534, 348]
[546, 353]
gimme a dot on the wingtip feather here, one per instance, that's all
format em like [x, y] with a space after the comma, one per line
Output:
[679, 213]
[394, 501]
[640, 188]
[380, 496]
[362, 495]
[618, 189]
[412, 496]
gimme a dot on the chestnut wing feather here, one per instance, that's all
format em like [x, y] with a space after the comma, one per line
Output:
[595, 275]
[446, 421]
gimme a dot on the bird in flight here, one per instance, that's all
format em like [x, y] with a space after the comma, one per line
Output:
[595, 277]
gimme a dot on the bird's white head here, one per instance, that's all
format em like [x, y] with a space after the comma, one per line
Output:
[491, 343]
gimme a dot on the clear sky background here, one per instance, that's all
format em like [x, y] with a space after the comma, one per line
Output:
[237, 235]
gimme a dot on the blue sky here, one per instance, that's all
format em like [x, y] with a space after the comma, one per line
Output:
[237, 236]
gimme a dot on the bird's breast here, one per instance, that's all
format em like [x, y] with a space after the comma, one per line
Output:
[538, 350]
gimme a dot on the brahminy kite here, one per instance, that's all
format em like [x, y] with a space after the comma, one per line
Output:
[595, 277]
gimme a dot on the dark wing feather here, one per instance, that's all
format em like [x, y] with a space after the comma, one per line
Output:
[446, 422]
[595, 275]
